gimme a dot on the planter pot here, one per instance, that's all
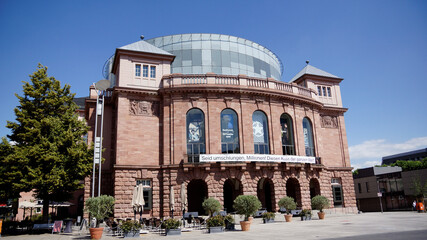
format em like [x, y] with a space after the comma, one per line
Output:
[230, 227]
[173, 232]
[96, 233]
[306, 218]
[288, 217]
[268, 220]
[219, 229]
[246, 225]
[131, 234]
[321, 215]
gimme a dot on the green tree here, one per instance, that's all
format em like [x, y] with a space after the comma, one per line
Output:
[48, 137]
[11, 173]
[419, 188]
[211, 206]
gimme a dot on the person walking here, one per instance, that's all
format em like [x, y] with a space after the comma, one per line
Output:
[414, 206]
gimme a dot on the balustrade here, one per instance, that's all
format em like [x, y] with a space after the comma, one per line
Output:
[241, 80]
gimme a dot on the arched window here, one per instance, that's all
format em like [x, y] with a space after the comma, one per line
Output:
[308, 137]
[260, 130]
[229, 132]
[287, 135]
[195, 134]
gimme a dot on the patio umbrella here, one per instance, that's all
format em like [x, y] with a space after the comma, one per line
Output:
[140, 199]
[26, 204]
[172, 200]
[134, 195]
[183, 198]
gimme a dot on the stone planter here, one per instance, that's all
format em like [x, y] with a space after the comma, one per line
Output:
[131, 234]
[173, 232]
[321, 215]
[268, 220]
[288, 217]
[96, 233]
[219, 229]
[246, 225]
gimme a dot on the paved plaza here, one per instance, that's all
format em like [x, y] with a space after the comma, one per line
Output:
[389, 225]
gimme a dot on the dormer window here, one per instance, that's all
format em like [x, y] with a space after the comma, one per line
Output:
[324, 91]
[145, 71]
[152, 71]
[138, 70]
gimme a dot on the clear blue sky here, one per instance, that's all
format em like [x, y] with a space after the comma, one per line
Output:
[378, 47]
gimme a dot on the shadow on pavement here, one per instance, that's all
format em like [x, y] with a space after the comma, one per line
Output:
[420, 234]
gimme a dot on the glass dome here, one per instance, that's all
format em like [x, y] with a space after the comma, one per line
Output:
[222, 54]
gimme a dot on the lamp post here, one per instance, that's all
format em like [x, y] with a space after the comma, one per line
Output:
[100, 87]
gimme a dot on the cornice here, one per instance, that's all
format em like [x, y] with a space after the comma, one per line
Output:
[240, 90]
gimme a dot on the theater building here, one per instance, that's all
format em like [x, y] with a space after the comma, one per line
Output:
[209, 113]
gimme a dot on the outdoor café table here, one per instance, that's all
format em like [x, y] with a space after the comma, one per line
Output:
[68, 225]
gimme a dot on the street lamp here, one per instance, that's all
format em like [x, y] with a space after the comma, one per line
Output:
[100, 87]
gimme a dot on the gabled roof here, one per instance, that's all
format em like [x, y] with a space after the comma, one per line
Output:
[143, 46]
[313, 71]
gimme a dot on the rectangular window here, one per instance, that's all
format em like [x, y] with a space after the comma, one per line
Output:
[324, 91]
[138, 70]
[319, 90]
[145, 71]
[329, 92]
[360, 187]
[153, 72]
[147, 193]
[367, 187]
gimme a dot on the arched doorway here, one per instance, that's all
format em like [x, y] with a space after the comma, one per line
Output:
[293, 190]
[232, 188]
[265, 192]
[197, 192]
[314, 187]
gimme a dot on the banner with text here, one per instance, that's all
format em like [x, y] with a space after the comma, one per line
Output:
[255, 158]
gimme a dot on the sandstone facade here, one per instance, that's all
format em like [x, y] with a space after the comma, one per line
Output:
[146, 138]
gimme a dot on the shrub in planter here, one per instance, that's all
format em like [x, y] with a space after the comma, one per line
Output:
[268, 217]
[100, 208]
[229, 222]
[215, 224]
[289, 204]
[131, 228]
[246, 205]
[319, 203]
[305, 215]
[172, 226]
[211, 206]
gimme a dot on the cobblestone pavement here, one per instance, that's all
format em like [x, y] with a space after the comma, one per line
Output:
[389, 225]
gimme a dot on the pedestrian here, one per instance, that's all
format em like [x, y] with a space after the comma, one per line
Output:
[414, 206]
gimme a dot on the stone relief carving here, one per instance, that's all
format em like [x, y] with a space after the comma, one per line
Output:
[329, 122]
[144, 108]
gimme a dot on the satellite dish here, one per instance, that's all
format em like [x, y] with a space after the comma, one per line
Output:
[102, 85]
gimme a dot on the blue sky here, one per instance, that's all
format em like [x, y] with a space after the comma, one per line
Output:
[378, 47]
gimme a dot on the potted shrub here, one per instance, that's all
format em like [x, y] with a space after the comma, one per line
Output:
[211, 206]
[319, 203]
[246, 205]
[305, 215]
[289, 204]
[130, 229]
[172, 226]
[229, 222]
[215, 224]
[268, 217]
[99, 208]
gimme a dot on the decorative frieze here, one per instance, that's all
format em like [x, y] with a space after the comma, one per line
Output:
[329, 121]
[144, 108]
